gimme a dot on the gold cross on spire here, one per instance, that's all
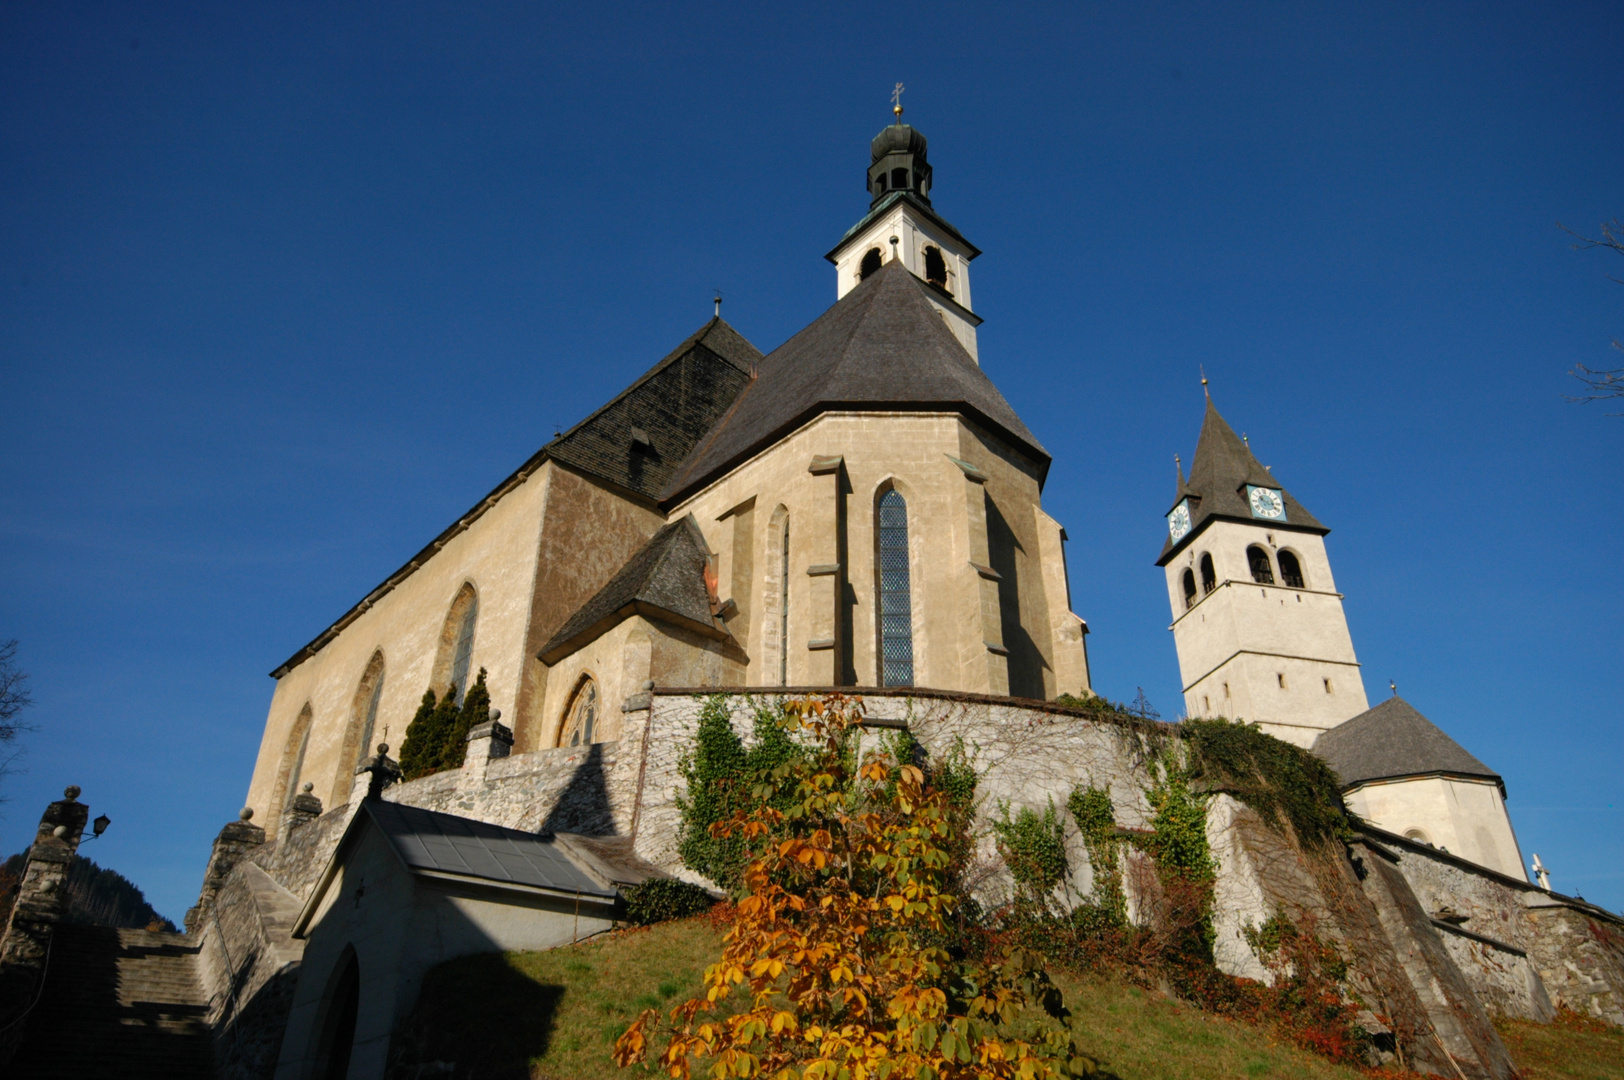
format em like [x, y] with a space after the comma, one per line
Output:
[896, 102]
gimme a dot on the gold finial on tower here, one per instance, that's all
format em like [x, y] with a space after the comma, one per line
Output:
[1204, 389]
[896, 102]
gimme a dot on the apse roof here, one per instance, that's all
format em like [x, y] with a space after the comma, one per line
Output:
[1392, 741]
[882, 346]
[1222, 468]
[665, 579]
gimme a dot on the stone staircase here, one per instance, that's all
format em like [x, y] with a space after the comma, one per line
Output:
[117, 1004]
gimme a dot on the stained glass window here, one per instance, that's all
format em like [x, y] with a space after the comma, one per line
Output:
[583, 717]
[462, 656]
[896, 599]
[783, 610]
[370, 723]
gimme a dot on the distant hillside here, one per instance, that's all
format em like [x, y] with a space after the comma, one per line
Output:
[96, 896]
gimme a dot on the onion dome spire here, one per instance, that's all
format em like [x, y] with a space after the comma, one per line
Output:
[897, 159]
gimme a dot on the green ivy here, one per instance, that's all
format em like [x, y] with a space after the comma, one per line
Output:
[1095, 815]
[1281, 781]
[720, 774]
[1034, 848]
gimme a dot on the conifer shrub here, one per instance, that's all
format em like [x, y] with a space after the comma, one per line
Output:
[659, 899]
[437, 737]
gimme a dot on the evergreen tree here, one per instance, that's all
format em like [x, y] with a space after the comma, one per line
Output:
[476, 709]
[421, 747]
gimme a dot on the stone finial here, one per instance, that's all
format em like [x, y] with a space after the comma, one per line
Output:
[308, 788]
[494, 715]
[648, 684]
[247, 814]
[71, 792]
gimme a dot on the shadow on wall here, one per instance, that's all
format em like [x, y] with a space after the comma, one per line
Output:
[457, 999]
[583, 805]
[251, 1038]
[1026, 662]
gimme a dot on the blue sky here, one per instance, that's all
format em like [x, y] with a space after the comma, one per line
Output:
[285, 288]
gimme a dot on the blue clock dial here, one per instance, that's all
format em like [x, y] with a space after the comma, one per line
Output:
[1178, 522]
[1266, 503]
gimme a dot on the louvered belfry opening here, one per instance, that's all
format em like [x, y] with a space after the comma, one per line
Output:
[1291, 571]
[1258, 560]
[896, 596]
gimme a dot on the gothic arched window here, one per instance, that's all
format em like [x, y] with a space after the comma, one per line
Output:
[870, 263]
[581, 719]
[456, 653]
[1189, 589]
[1209, 576]
[1291, 571]
[935, 267]
[369, 717]
[896, 595]
[1258, 560]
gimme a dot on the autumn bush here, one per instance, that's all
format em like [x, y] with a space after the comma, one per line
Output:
[830, 968]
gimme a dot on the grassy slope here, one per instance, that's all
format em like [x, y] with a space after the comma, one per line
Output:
[555, 1014]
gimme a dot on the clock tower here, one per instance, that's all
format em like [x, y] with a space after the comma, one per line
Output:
[1257, 620]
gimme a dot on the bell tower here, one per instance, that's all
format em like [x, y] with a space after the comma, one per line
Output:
[902, 224]
[1257, 620]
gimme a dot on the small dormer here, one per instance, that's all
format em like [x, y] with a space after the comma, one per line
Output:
[902, 224]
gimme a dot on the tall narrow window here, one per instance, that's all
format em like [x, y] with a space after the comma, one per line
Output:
[1291, 571]
[870, 263]
[296, 773]
[1209, 576]
[935, 267]
[581, 721]
[1258, 560]
[896, 599]
[370, 723]
[462, 656]
[783, 607]
[1189, 590]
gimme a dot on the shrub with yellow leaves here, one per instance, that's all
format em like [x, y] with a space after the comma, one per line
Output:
[827, 972]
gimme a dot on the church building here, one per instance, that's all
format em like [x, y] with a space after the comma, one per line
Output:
[859, 508]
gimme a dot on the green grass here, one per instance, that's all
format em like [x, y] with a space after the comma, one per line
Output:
[555, 1015]
[1573, 1048]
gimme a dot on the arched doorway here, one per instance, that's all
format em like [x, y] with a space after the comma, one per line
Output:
[338, 1020]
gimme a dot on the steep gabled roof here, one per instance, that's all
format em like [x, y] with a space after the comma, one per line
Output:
[1392, 741]
[1222, 468]
[671, 405]
[637, 440]
[664, 580]
[882, 346]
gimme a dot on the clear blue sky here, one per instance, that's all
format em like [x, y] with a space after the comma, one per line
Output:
[285, 288]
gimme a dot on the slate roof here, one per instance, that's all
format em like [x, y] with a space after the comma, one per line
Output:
[671, 406]
[447, 844]
[665, 579]
[882, 346]
[1222, 468]
[1392, 741]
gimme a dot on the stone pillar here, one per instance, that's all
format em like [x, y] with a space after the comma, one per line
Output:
[985, 657]
[304, 808]
[826, 588]
[486, 743]
[373, 775]
[235, 840]
[41, 900]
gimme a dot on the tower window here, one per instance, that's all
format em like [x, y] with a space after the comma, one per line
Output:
[1189, 589]
[870, 263]
[1328, 686]
[1291, 571]
[1209, 576]
[896, 595]
[879, 183]
[1258, 560]
[935, 268]
[899, 178]
[1280, 677]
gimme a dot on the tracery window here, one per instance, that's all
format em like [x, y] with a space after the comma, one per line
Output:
[1258, 560]
[581, 721]
[369, 722]
[1209, 576]
[1189, 589]
[896, 596]
[1291, 571]
[462, 655]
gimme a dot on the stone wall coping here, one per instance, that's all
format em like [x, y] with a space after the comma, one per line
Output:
[923, 694]
[1451, 928]
[1553, 899]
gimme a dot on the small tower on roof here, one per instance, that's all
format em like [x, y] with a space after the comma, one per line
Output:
[901, 224]
[1257, 620]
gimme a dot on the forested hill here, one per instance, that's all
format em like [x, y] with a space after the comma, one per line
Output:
[96, 896]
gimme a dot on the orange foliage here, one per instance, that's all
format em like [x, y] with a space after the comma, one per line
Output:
[828, 971]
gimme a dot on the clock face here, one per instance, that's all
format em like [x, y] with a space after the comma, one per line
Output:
[1266, 503]
[1178, 522]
